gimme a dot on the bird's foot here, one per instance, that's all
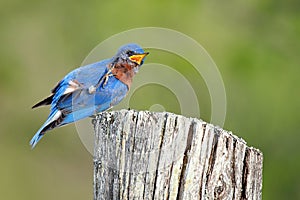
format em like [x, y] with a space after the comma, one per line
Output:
[106, 77]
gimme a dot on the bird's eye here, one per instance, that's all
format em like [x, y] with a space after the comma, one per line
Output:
[129, 53]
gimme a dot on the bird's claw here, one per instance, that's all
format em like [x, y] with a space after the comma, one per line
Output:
[92, 88]
[106, 77]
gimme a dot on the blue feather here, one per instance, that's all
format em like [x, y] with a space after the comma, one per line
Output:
[40, 133]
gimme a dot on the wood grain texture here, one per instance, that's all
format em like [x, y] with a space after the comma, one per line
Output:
[144, 155]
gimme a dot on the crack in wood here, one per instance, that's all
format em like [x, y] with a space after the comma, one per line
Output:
[170, 175]
[185, 161]
[233, 167]
[245, 175]
[220, 188]
[132, 153]
[159, 152]
[203, 171]
[212, 158]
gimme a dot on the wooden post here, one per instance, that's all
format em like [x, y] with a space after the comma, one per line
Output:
[144, 155]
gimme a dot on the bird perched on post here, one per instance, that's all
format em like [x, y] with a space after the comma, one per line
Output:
[91, 89]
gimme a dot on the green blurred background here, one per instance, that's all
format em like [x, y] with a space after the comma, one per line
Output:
[255, 44]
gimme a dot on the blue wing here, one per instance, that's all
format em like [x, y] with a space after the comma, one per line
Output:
[72, 99]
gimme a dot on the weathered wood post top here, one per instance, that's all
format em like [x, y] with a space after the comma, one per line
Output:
[144, 155]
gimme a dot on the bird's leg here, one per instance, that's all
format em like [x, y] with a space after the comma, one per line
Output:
[92, 89]
[106, 77]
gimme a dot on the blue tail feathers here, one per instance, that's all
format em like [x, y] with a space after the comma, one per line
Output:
[36, 138]
[48, 125]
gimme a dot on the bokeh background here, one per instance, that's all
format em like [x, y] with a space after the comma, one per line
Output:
[255, 44]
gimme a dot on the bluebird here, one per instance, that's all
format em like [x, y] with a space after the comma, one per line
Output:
[91, 89]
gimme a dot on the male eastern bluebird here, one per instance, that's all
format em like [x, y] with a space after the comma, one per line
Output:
[91, 89]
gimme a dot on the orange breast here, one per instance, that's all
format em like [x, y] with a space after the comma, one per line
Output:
[124, 72]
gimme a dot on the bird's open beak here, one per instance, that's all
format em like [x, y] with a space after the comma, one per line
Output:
[138, 58]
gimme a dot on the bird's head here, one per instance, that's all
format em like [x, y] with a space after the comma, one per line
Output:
[131, 54]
